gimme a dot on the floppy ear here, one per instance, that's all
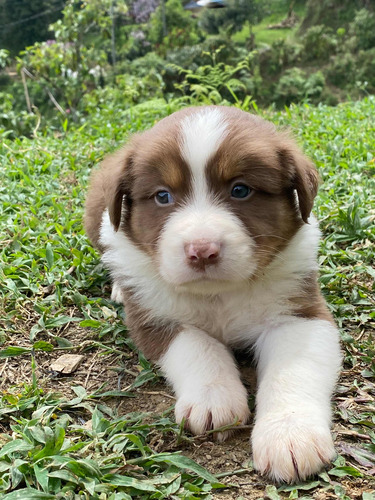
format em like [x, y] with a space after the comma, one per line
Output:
[109, 186]
[303, 175]
[116, 183]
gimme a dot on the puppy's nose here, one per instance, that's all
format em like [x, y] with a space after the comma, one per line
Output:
[202, 253]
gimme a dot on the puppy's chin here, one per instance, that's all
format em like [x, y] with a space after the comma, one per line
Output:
[209, 286]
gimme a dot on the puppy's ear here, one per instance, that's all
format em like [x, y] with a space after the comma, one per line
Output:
[116, 183]
[303, 175]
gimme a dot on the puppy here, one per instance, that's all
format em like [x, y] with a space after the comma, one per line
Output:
[204, 223]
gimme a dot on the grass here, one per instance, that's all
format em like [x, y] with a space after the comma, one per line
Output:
[264, 35]
[95, 440]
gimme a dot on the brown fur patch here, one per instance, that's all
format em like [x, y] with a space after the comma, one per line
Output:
[157, 165]
[310, 303]
[151, 337]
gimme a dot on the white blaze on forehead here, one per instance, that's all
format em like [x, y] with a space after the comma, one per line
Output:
[201, 135]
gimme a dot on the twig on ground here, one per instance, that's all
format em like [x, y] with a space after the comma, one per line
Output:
[158, 393]
[354, 434]
[90, 369]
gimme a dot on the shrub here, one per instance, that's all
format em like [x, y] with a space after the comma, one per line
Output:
[127, 91]
[342, 70]
[319, 43]
[4, 58]
[215, 82]
[143, 66]
[366, 69]
[14, 121]
[363, 28]
[295, 86]
[314, 86]
[132, 43]
[63, 70]
[194, 56]
[177, 21]
[232, 18]
[281, 54]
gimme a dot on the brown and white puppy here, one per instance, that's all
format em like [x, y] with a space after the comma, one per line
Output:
[204, 223]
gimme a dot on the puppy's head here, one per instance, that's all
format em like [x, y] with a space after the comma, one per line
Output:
[212, 195]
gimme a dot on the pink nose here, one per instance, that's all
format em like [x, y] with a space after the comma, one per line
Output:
[202, 253]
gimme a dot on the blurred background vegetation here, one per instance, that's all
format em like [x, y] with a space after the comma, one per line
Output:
[61, 60]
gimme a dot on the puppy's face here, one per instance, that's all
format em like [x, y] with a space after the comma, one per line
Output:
[212, 195]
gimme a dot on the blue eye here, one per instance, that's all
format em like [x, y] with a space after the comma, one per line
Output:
[240, 191]
[163, 198]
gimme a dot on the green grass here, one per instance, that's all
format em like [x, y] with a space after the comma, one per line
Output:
[264, 35]
[54, 299]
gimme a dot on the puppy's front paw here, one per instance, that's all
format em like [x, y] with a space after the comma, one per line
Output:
[212, 406]
[289, 448]
[117, 294]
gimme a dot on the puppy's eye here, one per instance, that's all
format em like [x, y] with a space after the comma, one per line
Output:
[163, 198]
[240, 192]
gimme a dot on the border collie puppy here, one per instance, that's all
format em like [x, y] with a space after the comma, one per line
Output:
[204, 223]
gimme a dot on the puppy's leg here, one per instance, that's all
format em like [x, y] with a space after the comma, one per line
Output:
[205, 378]
[298, 364]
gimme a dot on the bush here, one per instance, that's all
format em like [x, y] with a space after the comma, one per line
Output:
[143, 66]
[342, 70]
[132, 43]
[295, 86]
[194, 56]
[64, 70]
[281, 54]
[363, 28]
[180, 28]
[14, 121]
[232, 18]
[319, 43]
[216, 82]
[366, 69]
[127, 91]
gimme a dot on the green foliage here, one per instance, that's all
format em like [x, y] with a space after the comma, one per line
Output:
[13, 122]
[233, 17]
[295, 86]
[366, 69]
[64, 68]
[342, 70]
[318, 43]
[25, 22]
[281, 54]
[127, 90]
[363, 28]
[52, 454]
[215, 82]
[73, 73]
[332, 13]
[76, 61]
[178, 28]
[4, 58]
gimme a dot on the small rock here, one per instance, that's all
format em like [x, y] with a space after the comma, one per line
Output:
[67, 363]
